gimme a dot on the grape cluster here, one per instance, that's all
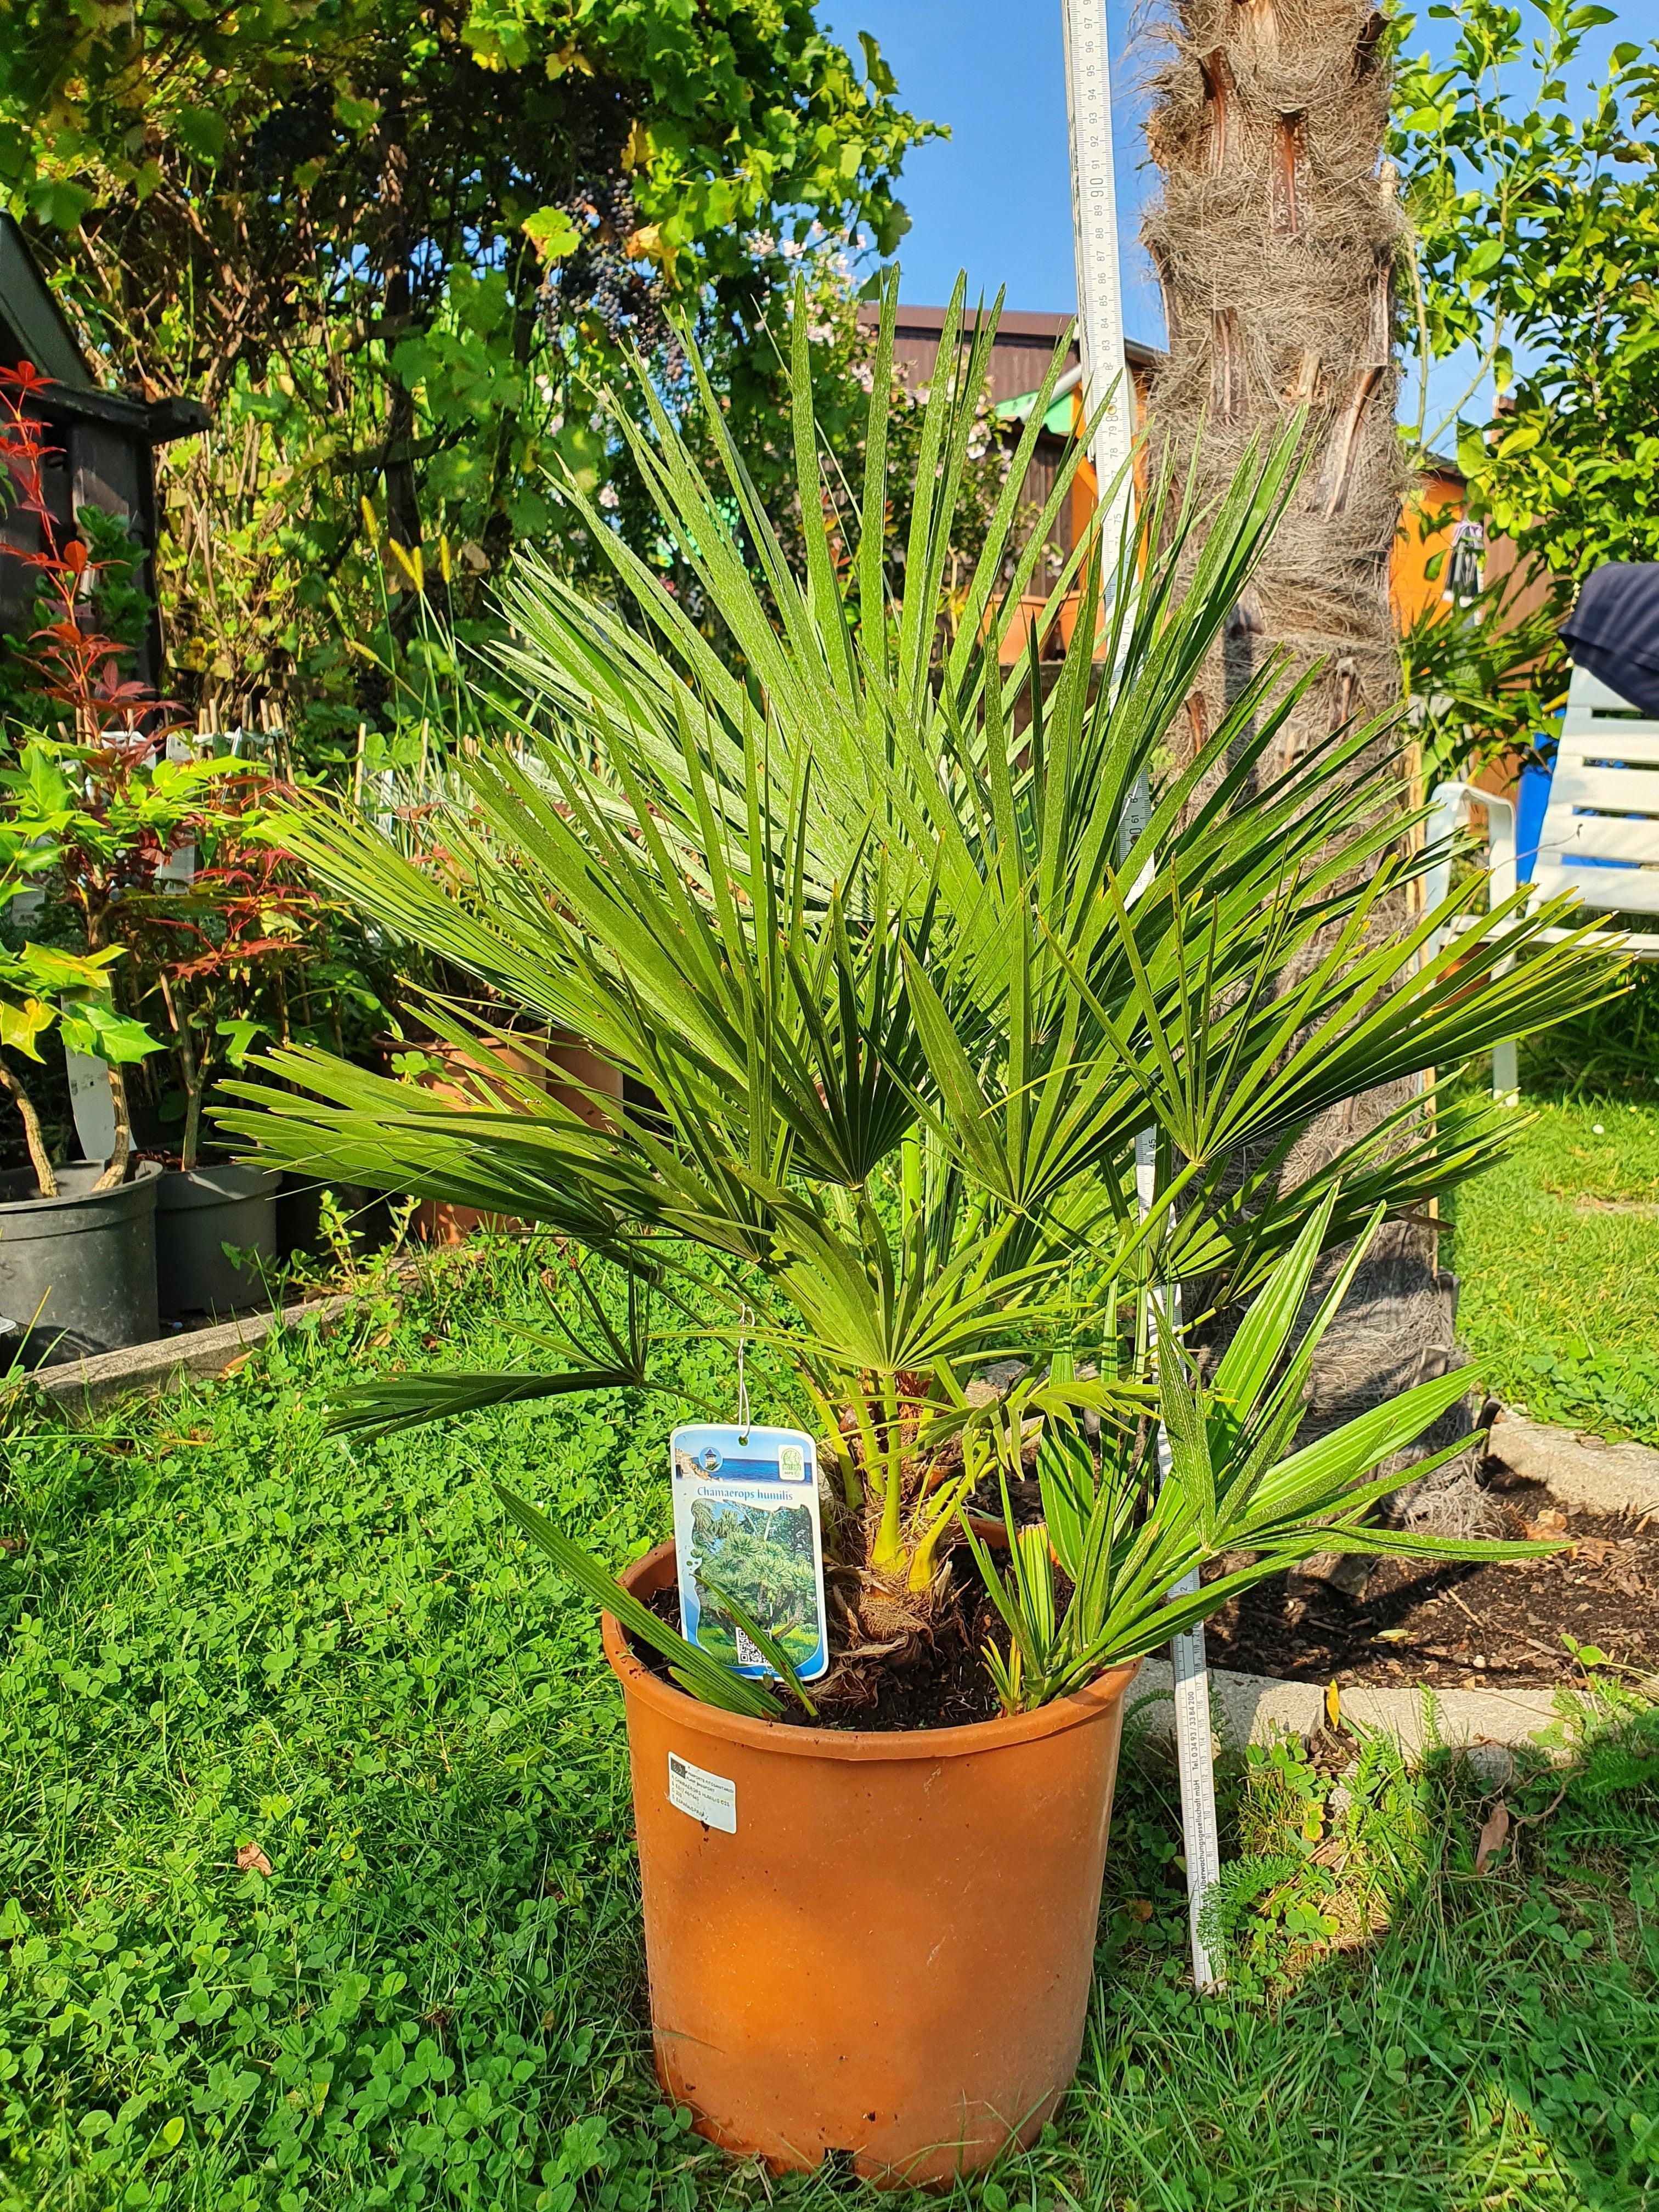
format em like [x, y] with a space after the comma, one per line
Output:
[600, 277]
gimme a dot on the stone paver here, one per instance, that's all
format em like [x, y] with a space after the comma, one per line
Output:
[1577, 1468]
[1252, 1708]
[141, 1370]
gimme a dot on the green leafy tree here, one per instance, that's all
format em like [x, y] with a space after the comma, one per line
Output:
[1483, 675]
[899, 980]
[392, 244]
[763, 1559]
[1536, 233]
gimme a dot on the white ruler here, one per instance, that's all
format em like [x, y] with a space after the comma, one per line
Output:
[1195, 1747]
[1100, 332]
[1094, 231]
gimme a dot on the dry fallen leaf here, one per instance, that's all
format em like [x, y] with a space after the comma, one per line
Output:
[252, 1860]
[1494, 1834]
[1551, 1522]
[1139, 1908]
[1333, 1707]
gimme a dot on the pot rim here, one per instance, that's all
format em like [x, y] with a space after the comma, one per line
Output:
[200, 1176]
[146, 1171]
[1090, 1702]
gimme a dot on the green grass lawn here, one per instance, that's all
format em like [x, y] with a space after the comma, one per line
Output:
[1557, 1253]
[231, 1644]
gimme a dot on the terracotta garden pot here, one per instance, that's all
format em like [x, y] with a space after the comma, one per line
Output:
[874, 1944]
[438, 1221]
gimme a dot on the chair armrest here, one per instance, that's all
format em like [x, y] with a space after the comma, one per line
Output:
[1446, 810]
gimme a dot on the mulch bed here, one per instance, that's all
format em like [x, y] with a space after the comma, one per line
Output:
[1463, 1627]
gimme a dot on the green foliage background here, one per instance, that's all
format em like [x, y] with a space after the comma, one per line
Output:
[1535, 230]
[395, 245]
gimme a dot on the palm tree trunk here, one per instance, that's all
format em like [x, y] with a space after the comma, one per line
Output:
[1274, 241]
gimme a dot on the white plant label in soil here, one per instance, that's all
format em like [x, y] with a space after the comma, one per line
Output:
[710, 1798]
[92, 1103]
[747, 1525]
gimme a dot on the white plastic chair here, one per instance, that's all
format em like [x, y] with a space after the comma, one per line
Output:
[1603, 807]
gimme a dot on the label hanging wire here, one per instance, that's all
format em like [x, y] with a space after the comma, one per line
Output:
[746, 1322]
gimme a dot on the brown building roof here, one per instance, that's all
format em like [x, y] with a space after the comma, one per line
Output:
[1020, 353]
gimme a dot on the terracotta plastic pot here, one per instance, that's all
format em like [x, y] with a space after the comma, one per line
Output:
[439, 1221]
[869, 1944]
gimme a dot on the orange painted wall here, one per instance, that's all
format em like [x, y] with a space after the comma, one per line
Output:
[1425, 529]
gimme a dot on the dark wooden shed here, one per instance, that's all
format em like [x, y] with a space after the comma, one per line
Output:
[1021, 351]
[106, 440]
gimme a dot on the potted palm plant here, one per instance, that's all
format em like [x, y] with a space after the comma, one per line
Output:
[902, 974]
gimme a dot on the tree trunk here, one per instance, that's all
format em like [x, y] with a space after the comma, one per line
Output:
[115, 1169]
[403, 504]
[1274, 240]
[40, 1159]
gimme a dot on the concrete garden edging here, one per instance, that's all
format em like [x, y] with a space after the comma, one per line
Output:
[1577, 1469]
[1486, 1724]
[144, 1369]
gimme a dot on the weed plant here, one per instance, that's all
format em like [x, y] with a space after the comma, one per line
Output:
[318, 1887]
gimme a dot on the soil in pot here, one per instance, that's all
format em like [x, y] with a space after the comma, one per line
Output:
[944, 1687]
[1460, 1626]
[869, 1948]
[85, 1260]
[198, 1212]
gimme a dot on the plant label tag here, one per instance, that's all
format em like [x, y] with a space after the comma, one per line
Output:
[707, 1798]
[91, 1103]
[748, 1526]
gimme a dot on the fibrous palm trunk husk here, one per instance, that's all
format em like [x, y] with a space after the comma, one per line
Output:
[1274, 240]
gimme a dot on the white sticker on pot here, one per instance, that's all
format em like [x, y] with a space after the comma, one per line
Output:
[707, 1798]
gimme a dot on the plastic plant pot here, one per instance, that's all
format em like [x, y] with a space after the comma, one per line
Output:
[865, 1947]
[77, 1272]
[198, 1213]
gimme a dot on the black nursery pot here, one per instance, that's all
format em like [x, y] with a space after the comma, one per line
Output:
[198, 1212]
[86, 1260]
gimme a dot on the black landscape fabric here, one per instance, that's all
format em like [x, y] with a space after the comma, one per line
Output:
[1613, 630]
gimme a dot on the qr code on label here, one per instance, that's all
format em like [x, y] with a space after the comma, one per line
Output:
[749, 1652]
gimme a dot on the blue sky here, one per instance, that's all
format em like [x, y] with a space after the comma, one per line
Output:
[995, 197]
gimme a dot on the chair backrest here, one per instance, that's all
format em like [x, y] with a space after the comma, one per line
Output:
[1600, 834]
